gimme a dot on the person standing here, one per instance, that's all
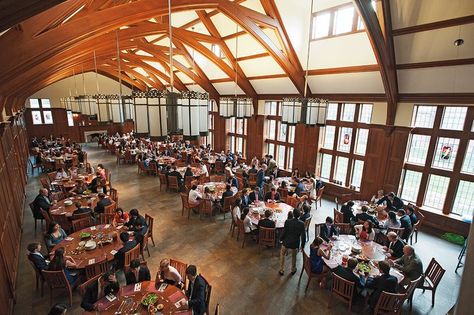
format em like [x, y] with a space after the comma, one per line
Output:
[292, 238]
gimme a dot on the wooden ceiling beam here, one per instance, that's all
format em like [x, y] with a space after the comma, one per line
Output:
[382, 52]
[434, 25]
[436, 63]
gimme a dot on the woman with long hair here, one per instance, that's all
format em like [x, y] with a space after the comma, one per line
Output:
[365, 232]
[61, 262]
[54, 235]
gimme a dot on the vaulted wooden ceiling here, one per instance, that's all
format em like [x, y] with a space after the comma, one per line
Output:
[272, 38]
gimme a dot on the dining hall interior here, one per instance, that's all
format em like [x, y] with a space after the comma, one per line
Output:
[236, 157]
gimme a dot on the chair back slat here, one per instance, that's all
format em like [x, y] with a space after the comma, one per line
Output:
[149, 222]
[317, 229]
[62, 220]
[173, 182]
[343, 289]
[181, 268]
[132, 254]
[110, 209]
[344, 228]
[434, 272]
[98, 268]
[306, 263]
[46, 217]
[319, 195]
[56, 279]
[208, 291]
[206, 206]
[228, 203]
[113, 194]
[389, 303]
[338, 216]
[267, 236]
[83, 287]
[80, 224]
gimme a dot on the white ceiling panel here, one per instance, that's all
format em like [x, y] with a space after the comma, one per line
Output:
[456, 79]
[157, 66]
[199, 28]
[363, 82]
[260, 66]
[320, 5]
[274, 86]
[415, 12]
[224, 25]
[342, 51]
[421, 46]
[180, 18]
[247, 46]
[254, 5]
[184, 78]
[210, 69]
[196, 88]
[227, 88]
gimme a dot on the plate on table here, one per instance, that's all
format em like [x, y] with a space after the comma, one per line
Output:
[149, 299]
[68, 203]
[90, 245]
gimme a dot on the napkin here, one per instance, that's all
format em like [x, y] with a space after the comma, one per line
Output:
[91, 261]
[163, 286]
[138, 287]
[178, 304]
[69, 238]
[113, 252]
[106, 226]
[111, 297]
[93, 228]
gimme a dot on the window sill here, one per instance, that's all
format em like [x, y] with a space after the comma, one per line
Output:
[452, 216]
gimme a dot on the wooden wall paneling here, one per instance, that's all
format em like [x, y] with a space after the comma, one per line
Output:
[305, 148]
[220, 133]
[255, 139]
[395, 159]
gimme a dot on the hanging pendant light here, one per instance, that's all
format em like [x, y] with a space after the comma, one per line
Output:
[309, 111]
[238, 107]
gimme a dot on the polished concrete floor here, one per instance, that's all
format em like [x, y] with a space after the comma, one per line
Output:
[244, 281]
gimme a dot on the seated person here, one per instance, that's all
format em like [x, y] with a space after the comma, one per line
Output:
[411, 213]
[102, 203]
[245, 197]
[299, 190]
[269, 184]
[316, 254]
[128, 244]
[266, 222]
[392, 221]
[256, 195]
[42, 201]
[272, 195]
[194, 197]
[139, 233]
[392, 201]
[80, 187]
[295, 173]
[384, 282]
[227, 193]
[137, 272]
[169, 274]
[378, 196]
[196, 292]
[80, 209]
[395, 245]
[247, 221]
[348, 273]
[177, 174]
[306, 212]
[135, 220]
[365, 216]
[105, 285]
[96, 182]
[409, 264]
[60, 174]
[405, 223]
[328, 230]
[34, 254]
[188, 172]
[365, 232]
[120, 217]
[54, 235]
[347, 212]
[236, 212]
[61, 262]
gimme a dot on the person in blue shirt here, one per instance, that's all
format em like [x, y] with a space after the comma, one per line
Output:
[316, 255]
[260, 179]
[299, 188]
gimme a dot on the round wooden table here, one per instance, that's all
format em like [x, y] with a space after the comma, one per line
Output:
[129, 299]
[372, 251]
[197, 171]
[165, 160]
[84, 257]
[279, 212]
[219, 188]
[67, 210]
[291, 184]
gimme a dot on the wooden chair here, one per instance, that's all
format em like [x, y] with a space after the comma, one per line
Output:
[344, 228]
[217, 309]
[389, 303]
[228, 201]
[120, 157]
[185, 204]
[36, 216]
[57, 280]
[432, 277]
[283, 194]
[307, 268]
[336, 200]
[163, 181]
[342, 290]
[307, 222]
[132, 254]
[241, 231]
[208, 291]
[319, 196]
[338, 216]
[83, 287]
[416, 227]
[219, 167]
[144, 246]
[292, 201]
[46, 217]
[113, 194]
[181, 268]
[399, 231]
[38, 275]
[410, 290]
[205, 208]
[80, 224]
[110, 209]
[149, 222]
[45, 183]
[97, 268]
[173, 183]
[51, 176]
[317, 229]
[253, 180]
[266, 237]
[106, 218]
[188, 180]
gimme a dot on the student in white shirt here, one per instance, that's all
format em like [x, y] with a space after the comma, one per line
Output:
[248, 226]
[194, 197]
[169, 274]
[204, 170]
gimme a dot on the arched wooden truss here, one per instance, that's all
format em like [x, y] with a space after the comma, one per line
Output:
[58, 42]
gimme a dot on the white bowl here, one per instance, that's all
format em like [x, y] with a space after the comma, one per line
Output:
[90, 245]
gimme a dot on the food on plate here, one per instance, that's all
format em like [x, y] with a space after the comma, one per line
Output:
[364, 267]
[85, 235]
[149, 299]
